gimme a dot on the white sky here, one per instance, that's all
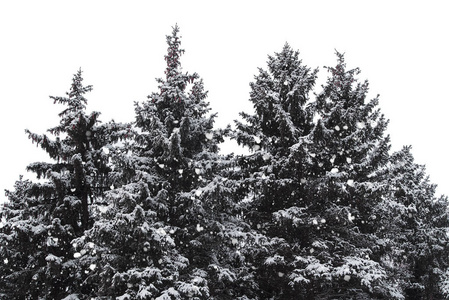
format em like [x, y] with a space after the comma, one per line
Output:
[400, 46]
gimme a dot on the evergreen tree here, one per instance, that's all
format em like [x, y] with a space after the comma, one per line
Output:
[168, 231]
[318, 209]
[22, 237]
[311, 194]
[44, 217]
[412, 226]
[282, 118]
[344, 150]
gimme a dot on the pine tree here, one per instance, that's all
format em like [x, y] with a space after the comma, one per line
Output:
[185, 155]
[266, 178]
[318, 209]
[345, 149]
[81, 169]
[311, 192]
[412, 225]
[279, 96]
[168, 231]
[44, 217]
[21, 234]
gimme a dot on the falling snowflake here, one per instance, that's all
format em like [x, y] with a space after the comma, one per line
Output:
[350, 217]
[347, 278]
[199, 228]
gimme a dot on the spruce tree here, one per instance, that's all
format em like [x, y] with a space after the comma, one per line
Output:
[281, 119]
[318, 209]
[42, 218]
[167, 233]
[312, 195]
[333, 215]
[411, 228]
[266, 177]
[22, 237]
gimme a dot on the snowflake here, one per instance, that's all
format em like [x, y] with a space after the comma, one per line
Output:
[199, 228]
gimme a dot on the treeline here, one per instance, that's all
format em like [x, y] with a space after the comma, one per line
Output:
[320, 208]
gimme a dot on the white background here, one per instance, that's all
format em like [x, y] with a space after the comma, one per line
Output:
[400, 46]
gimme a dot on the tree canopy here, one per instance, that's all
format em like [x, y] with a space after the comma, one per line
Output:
[319, 207]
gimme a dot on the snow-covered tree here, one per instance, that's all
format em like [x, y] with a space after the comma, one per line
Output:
[279, 96]
[42, 218]
[318, 209]
[344, 150]
[310, 181]
[81, 169]
[22, 236]
[266, 178]
[168, 232]
[412, 228]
